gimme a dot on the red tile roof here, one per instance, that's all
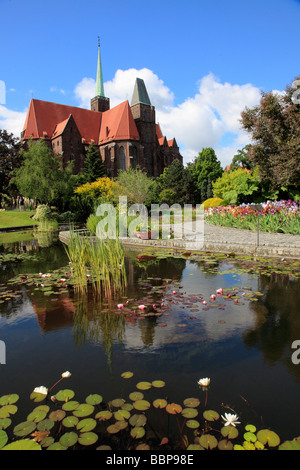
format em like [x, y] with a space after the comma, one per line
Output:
[118, 124]
[44, 116]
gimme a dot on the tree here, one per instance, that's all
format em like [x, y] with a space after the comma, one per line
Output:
[94, 167]
[238, 186]
[242, 160]
[206, 166]
[274, 126]
[10, 158]
[136, 185]
[41, 176]
[179, 179]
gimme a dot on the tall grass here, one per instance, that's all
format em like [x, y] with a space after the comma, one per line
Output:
[97, 263]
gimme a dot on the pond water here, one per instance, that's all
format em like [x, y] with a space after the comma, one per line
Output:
[241, 340]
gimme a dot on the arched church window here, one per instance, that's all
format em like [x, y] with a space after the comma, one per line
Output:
[122, 165]
[133, 157]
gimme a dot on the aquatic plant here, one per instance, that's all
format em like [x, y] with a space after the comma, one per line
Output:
[96, 262]
[60, 422]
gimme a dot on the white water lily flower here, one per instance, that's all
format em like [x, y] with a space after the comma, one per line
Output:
[230, 419]
[42, 390]
[204, 382]
[66, 374]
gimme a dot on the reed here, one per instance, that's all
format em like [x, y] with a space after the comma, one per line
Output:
[97, 263]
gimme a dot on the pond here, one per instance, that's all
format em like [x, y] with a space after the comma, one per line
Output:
[241, 339]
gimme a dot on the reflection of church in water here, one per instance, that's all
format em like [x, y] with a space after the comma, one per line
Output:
[126, 135]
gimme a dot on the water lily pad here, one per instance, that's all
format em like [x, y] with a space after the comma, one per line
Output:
[143, 446]
[65, 395]
[118, 402]
[137, 432]
[250, 436]
[113, 429]
[37, 397]
[143, 385]
[87, 438]
[224, 444]
[94, 399]
[68, 439]
[211, 415]
[3, 438]
[9, 399]
[45, 425]
[127, 375]
[38, 414]
[173, 408]
[122, 414]
[104, 415]
[24, 428]
[56, 446]
[141, 405]
[83, 410]
[5, 423]
[229, 431]
[86, 425]
[138, 420]
[8, 410]
[136, 396]
[160, 403]
[104, 447]
[208, 441]
[189, 413]
[266, 436]
[70, 421]
[57, 415]
[70, 405]
[191, 402]
[192, 423]
[23, 444]
[158, 383]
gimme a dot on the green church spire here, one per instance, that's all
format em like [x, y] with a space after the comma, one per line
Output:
[99, 79]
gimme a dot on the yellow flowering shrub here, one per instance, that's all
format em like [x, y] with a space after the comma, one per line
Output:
[103, 189]
[213, 202]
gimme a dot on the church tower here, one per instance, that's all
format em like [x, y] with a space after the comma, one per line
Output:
[144, 115]
[99, 102]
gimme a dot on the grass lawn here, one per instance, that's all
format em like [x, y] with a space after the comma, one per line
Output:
[16, 218]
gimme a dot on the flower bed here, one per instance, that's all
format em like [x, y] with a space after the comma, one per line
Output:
[275, 216]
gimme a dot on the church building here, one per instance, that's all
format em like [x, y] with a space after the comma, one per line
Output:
[126, 135]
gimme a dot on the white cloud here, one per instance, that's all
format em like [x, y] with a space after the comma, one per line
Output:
[12, 121]
[200, 121]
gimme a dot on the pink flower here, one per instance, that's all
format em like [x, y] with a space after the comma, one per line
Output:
[204, 302]
[220, 291]
[213, 297]
[120, 305]
[142, 307]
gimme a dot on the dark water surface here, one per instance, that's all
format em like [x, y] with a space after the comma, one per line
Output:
[243, 347]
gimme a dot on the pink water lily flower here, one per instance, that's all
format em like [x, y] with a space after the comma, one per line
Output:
[220, 291]
[120, 305]
[142, 307]
[213, 297]
[204, 302]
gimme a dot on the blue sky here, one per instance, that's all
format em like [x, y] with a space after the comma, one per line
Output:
[202, 61]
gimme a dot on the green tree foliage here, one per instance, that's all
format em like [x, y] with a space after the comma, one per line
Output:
[242, 160]
[94, 167]
[10, 159]
[238, 186]
[205, 169]
[42, 177]
[137, 186]
[274, 126]
[180, 180]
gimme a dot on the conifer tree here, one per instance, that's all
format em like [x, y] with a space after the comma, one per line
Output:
[94, 167]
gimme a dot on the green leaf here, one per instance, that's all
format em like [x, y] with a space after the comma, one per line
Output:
[250, 436]
[68, 439]
[45, 425]
[38, 414]
[9, 399]
[290, 445]
[138, 420]
[127, 375]
[224, 444]
[192, 423]
[23, 444]
[94, 399]
[87, 424]
[87, 438]
[158, 383]
[191, 402]
[5, 423]
[3, 438]
[7, 410]
[83, 410]
[229, 431]
[117, 402]
[56, 446]
[143, 385]
[57, 415]
[160, 403]
[211, 415]
[141, 405]
[24, 428]
[173, 408]
[136, 396]
[65, 395]
[120, 415]
[137, 432]
[208, 441]
[266, 436]
[70, 421]
[70, 405]
[104, 415]
[189, 413]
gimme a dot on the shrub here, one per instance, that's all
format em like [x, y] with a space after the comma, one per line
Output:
[213, 202]
[167, 196]
[43, 212]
